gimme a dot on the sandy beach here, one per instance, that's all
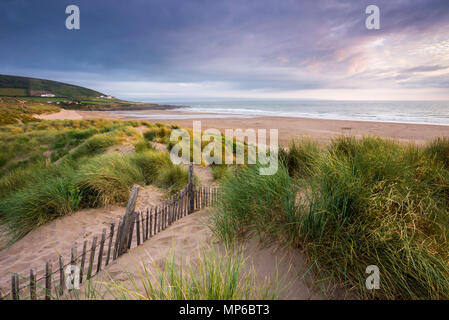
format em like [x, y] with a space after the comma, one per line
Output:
[320, 129]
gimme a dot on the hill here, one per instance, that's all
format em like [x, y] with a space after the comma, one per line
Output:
[16, 86]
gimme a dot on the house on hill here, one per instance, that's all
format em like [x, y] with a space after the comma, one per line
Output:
[48, 95]
[38, 93]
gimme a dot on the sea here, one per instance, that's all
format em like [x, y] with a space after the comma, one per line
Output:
[426, 112]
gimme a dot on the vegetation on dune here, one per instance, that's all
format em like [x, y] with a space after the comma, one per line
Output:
[210, 274]
[213, 276]
[219, 172]
[354, 203]
[53, 168]
[13, 110]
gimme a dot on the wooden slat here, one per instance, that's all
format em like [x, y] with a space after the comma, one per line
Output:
[92, 258]
[111, 235]
[191, 191]
[174, 212]
[83, 259]
[128, 220]
[117, 238]
[142, 218]
[164, 215]
[185, 201]
[100, 251]
[131, 230]
[155, 220]
[73, 254]
[147, 226]
[47, 281]
[151, 222]
[32, 285]
[14, 287]
[61, 276]
[138, 228]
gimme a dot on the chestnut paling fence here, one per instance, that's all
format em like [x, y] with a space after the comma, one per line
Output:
[132, 229]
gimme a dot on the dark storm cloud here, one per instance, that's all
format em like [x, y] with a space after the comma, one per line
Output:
[257, 44]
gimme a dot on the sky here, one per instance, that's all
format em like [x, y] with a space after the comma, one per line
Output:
[145, 50]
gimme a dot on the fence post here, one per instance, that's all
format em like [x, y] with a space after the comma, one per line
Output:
[146, 229]
[155, 220]
[138, 228]
[32, 285]
[15, 287]
[117, 239]
[92, 258]
[73, 254]
[128, 220]
[47, 281]
[190, 188]
[100, 252]
[131, 230]
[111, 235]
[83, 259]
[61, 277]
[151, 223]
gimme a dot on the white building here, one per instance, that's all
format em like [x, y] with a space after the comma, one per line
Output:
[48, 95]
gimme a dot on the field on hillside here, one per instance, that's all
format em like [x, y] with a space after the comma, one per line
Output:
[24, 86]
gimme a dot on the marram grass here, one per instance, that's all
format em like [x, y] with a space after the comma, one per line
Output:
[359, 202]
[211, 274]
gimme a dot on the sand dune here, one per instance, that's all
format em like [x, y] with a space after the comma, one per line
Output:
[58, 236]
[189, 235]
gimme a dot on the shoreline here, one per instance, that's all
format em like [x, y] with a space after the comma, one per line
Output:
[289, 127]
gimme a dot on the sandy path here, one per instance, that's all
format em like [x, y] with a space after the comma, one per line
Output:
[63, 114]
[76, 115]
[57, 237]
[189, 235]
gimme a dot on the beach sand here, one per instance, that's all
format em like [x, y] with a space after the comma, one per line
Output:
[189, 234]
[57, 237]
[185, 240]
[320, 129]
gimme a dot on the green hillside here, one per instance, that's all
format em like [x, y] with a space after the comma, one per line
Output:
[25, 87]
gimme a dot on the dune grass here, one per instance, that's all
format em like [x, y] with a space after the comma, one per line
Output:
[355, 203]
[210, 275]
[219, 171]
[54, 168]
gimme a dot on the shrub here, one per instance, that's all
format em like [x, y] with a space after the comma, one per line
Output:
[151, 164]
[107, 179]
[438, 149]
[97, 144]
[368, 202]
[213, 276]
[38, 204]
[219, 172]
[301, 157]
[251, 202]
[173, 178]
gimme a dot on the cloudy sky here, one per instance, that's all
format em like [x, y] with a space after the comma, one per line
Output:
[191, 49]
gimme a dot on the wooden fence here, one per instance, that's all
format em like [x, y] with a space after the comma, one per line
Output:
[132, 229]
